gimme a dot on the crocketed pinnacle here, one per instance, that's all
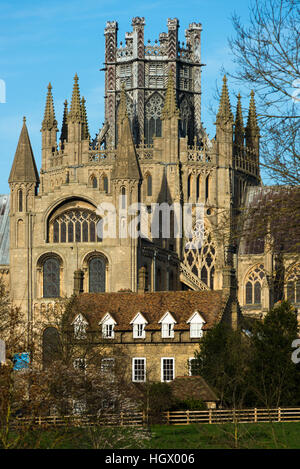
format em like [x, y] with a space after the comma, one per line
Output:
[170, 108]
[239, 122]
[64, 127]
[224, 113]
[85, 127]
[49, 121]
[75, 110]
[252, 125]
[24, 167]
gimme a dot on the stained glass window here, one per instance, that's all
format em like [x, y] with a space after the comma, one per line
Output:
[254, 285]
[75, 225]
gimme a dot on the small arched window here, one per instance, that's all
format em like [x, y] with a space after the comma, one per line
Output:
[189, 186]
[51, 278]
[123, 197]
[207, 181]
[293, 285]
[149, 185]
[20, 201]
[105, 184]
[94, 182]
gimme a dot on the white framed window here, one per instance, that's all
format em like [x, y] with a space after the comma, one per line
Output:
[80, 325]
[167, 369]
[167, 326]
[196, 322]
[138, 326]
[139, 369]
[108, 331]
[108, 326]
[80, 364]
[167, 330]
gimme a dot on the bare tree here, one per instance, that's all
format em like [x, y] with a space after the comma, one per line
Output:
[267, 57]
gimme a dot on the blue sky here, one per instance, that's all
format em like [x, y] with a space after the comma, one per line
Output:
[42, 42]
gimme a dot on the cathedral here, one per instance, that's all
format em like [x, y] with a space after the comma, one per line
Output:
[152, 150]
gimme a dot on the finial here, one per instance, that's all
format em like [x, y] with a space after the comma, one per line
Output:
[224, 112]
[24, 120]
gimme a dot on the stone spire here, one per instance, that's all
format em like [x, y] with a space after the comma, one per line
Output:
[49, 121]
[64, 127]
[224, 113]
[24, 167]
[75, 110]
[126, 163]
[239, 123]
[85, 127]
[252, 125]
[170, 108]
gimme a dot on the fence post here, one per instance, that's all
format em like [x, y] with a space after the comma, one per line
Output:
[122, 421]
[40, 420]
[255, 415]
[210, 416]
[279, 414]
[168, 417]
[187, 417]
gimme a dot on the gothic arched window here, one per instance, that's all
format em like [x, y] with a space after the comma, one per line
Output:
[207, 187]
[253, 285]
[293, 285]
[189, 185]
[152, 125]
[200, 255]
[77, 225]
[97, 275]
[198, 186]
[51, 278]
[94, 182]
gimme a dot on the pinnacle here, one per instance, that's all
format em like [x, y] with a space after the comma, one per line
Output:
[75, 110]
[239, 122]
[64, 127]
[170, 108]
[252, 124]
[224, 112]
[49, 121]
[85, 129]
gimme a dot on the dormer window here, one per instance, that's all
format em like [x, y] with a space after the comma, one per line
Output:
[196, 322]
[167, 326]
[108, 326]
[138, 326]
[80, 324]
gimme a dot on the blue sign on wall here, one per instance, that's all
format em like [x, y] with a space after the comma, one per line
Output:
[21, 361]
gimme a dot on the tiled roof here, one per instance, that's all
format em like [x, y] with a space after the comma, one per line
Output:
[273, 208]
[124, 306]
[195, 387]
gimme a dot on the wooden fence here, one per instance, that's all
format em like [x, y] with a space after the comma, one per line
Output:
[233, 415]
[185, 417]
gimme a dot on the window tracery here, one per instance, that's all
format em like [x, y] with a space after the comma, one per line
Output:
[153, 109]
[200, 257]
[293, 284]
[253, 285]
[76, 225]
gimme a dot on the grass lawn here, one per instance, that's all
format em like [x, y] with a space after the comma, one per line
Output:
[223, 436]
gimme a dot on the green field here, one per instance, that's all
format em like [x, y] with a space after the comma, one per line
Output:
[226, 436]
